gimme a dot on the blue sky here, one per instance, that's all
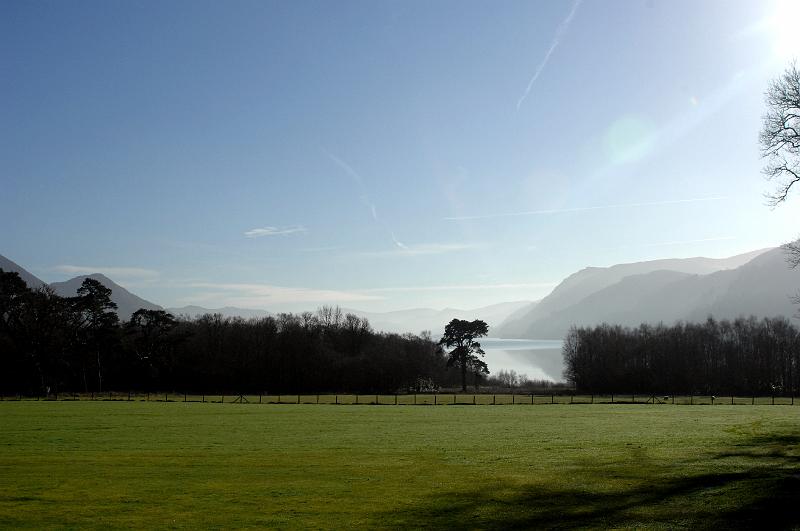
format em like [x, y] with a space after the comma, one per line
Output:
[381, 155]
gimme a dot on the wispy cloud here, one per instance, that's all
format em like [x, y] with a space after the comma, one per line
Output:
[465, 287]
[274, 231]
[362, 193]
[684, 242]
[553, 45]
[586, 208]
[266, 295]
[114, 272]
[402, 249]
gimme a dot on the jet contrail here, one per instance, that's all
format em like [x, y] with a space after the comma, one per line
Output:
[584, 209]
[553, 45]
[359, 183]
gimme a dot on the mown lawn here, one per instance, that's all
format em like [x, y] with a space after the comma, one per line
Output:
[195, 465]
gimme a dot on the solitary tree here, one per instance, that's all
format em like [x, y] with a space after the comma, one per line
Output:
[95, 320]
[780, 135]
[462, 334]
[780, 144]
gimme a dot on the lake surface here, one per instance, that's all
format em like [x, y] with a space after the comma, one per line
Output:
[539, 359]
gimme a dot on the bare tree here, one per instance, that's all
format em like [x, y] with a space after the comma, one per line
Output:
[780, 145]
[780, 135]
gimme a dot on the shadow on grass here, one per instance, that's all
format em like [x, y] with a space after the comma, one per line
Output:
[755, 485]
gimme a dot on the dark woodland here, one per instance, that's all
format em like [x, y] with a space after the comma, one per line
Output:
[741, 357]
[51, 344]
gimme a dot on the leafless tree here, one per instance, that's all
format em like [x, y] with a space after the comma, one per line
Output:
[780, 135]
[780, 145]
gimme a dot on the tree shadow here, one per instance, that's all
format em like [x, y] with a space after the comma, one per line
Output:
[752, 485]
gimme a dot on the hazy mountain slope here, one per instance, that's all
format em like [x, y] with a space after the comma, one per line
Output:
[419, 319]
[590, 280]
[227, 311]
[760, 287]
[127, 302]
[30, 279]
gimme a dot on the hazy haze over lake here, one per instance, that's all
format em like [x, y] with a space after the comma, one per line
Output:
[539, 359]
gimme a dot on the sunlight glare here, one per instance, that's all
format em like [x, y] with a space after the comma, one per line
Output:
[786, 29]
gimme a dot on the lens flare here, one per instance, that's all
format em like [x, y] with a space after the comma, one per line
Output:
[629, 139]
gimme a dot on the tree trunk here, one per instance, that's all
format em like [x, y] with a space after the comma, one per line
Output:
[99, 373]
[464, 373]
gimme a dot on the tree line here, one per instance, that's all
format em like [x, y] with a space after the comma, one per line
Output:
[55, 344]
[746, 356]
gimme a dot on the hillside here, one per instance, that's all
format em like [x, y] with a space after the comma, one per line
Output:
[127, 302]
[760, 286]
[30, 279]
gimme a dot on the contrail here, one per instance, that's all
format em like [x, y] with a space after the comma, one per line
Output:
[584, 209]
[553, 45]
[359, 183]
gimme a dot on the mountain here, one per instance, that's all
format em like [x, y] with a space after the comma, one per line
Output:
[593, 279]
[419, 319]
[127, 302]
[31, 280]
[228, 311]
[761, 285]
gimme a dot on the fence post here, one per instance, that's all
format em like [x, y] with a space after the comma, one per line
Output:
[553, 398]
[317, 399]
[731, 399]
[473, 400]
[454, 399]
[494, 399]
[166, 397]
[184, 397]
[592, 399]
[395, 399]
[571, 397]
[612, 398]
[434, 399]
[513, 400]
[531, 398]
[92, 395]
[337, 399]
[356, 398]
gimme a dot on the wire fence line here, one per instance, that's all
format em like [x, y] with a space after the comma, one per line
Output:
[419, 399]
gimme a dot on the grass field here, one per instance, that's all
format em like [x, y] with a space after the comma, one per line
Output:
[192, 465]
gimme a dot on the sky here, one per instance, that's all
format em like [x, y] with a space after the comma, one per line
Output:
[382, 155]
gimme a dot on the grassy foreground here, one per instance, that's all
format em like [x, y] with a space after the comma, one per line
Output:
[194, 465]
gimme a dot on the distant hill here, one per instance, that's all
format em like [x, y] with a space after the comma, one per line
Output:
[228, 311]
[30, 279]
[401, 321]
[127, 302]
[419, 319]
[757, 283]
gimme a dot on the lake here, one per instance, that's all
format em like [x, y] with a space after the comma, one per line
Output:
[539, 359]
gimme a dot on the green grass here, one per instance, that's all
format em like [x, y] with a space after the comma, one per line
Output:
[145, 465]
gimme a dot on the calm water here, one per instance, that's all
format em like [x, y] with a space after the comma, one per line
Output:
[538, 359]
